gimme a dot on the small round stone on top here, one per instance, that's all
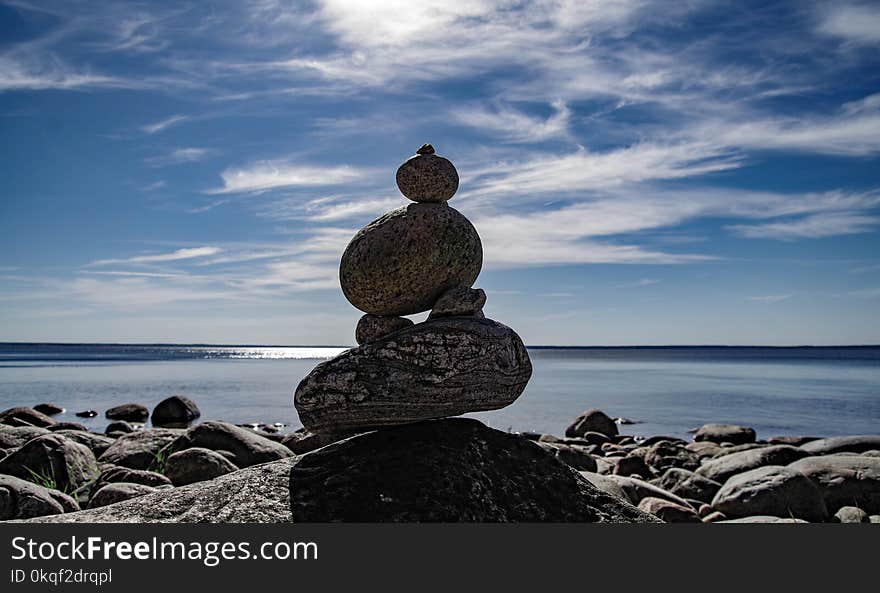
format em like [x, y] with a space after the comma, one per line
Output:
[427, 177]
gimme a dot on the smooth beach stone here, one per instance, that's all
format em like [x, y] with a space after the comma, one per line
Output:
[247, 447]
[23, 416]
[175, 412]
[441, 367]
[113, 474]
[13, 437]
[795, 441]
[98, 443]
[669, 512]
[847, 444]
[402, 262]
[844, 479]
[196, 464]
[721, 468]
[459, 301]
[455, 469]
[21, 499]
[53, 457]
[592, 421]
[117, 492]
[128, 413]
[426, 177]
[49, 409]
[665, 454]
[688, 484]
[68, 426]
[851, 515]
[139, 450]
[374, 327]
[632, 465]
[120, 426]
[725, 433]
[771, 490]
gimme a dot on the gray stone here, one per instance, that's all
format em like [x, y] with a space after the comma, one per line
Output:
[402, 262]
[592, 421]
[725, 433]
[573, 455]
[196, 464]
[632, 489]
[851, 515]
[667, 511]
[848, 444]
[246, 447]
[49, 409]
[23, 416]
[729, 449]
[68, 426]
[112, 474]
[258, 494]
[795, 441]
[704, 449]
[98, 443]
[455, 469]
[427, 177]
[117, 492]
[21, 499]
[632, 465]
[13, 437]
[771, 490]
[687, 484]
[375, 327]
[665, 454]
[844, 480]
[442, 367]
[120, 426]
[139, 450]
[721, 468]
[459, 301]
[175, 412]
[128, 413]
[52, 457]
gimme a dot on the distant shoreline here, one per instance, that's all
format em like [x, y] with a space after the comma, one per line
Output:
[532, 347]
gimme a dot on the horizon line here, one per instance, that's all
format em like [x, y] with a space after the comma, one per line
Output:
[534, 346]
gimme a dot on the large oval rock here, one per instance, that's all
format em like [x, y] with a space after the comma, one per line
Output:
[455, 469]
[112, 474]
[128, 413]
[196, 464]
[721, 468]
[848, 444]
[140, 450]
[772, 490]
[592, 420]
[844, 480]
[175, 412]
[402, 262]
[21, 499]
[117, 492]
[23, 416]
[246, 447]
[441, 367]
[725, 433]
[53, 459]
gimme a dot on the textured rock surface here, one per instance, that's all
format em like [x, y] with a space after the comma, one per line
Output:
[631, 489]
[721, 468]
[669, 512]
[68, 426]
[772, 490]
[844, 480]
[687, 484]
[665, 454]
[592, 421]
[13, 437]
[725, 433]
[138, 450]
[427, 177]
[98, 443]
[258, 494]
[459, 301]
[23, 416]
[445, 470]
[175, 412]
[375, 327]
[196, 465]
[119, 426]
[246, 447]
[116, 492]
[113, 474]
[441, 367]
[303, 441]
[53, 456]
[572, 455]
[402, 262]
[764, 519]
[849, 444]
[20, 499]
[128, 413]
[851, 515]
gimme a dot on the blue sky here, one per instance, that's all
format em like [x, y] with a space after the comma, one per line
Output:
[640, 172]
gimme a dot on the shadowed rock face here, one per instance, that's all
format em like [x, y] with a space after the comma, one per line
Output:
[442, 367]
[65, 462]
[454, 469]
[402, 262]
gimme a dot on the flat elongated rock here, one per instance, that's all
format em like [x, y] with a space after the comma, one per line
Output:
[771, 490]
[23, 416]
[402, 262]
[721, 468]
[848, 444]
[455, 469]
[725, 433]
[844, 480]
[442, 367]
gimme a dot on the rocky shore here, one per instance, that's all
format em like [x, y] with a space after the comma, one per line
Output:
[452, 469]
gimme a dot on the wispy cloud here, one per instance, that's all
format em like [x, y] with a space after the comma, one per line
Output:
[19, 74]
[180, 156]
[515, 125]
[180, 254]
[857, 23]
[268, 175]
[769, 298]
[815, 226]
[164, 124]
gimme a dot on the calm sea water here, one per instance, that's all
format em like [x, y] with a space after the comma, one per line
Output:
[804, 391]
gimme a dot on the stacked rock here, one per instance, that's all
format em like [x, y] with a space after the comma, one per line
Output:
[425, 256]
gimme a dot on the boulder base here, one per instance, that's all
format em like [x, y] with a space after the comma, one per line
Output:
[441, 367]
[454, 469]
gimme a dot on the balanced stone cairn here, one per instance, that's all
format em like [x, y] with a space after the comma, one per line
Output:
[421, 257]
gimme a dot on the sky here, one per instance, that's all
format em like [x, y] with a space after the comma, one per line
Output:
[640, 172]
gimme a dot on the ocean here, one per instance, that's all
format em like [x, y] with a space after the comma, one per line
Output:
[818, 391]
